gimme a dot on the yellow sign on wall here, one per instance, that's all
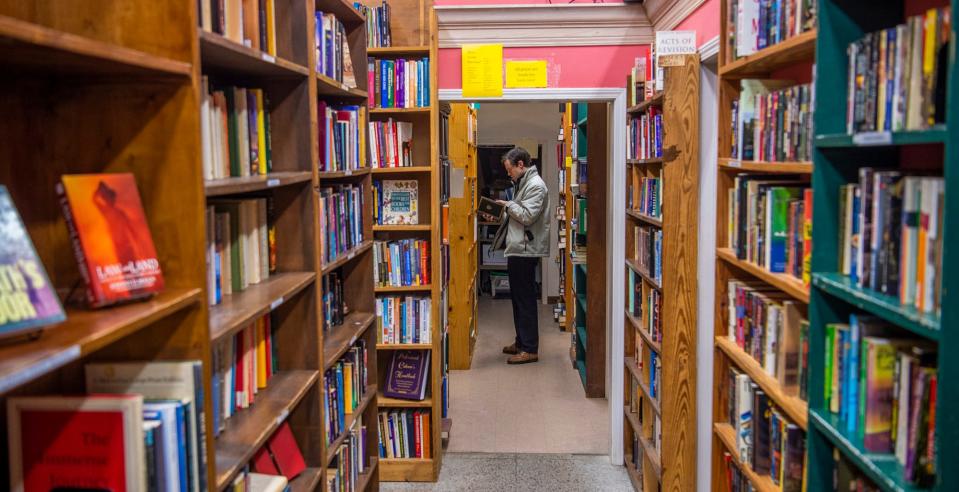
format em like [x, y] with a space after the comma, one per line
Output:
[525, 74]
[482, 66]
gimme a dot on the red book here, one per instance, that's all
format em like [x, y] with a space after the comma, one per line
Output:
[425, 423]
[263, 462]
[238, 372]
[111, 237]
[417, 432]
[285, 452]
[85, 441]
[425, 261]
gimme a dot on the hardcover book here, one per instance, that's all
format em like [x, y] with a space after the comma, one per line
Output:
[407, 376]
[399, 204]
[111, 237]
[59, 442]
[27, 299]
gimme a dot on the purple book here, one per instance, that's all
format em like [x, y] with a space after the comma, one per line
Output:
[406, 379]
[401, 83]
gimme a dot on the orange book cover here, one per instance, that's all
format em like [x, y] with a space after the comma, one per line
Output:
[111, 237]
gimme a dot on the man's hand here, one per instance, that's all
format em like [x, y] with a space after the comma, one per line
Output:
[488, 218]
[501, 202]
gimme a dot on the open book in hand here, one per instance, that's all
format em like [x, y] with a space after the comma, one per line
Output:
[490, 207]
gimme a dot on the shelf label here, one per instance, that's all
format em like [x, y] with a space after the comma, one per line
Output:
[268, 58]
[348, 172]
[275, 304]
[282, 416]
[272, 182]
[734, 163]
[872, 138]
[351, 255]
[352, 340]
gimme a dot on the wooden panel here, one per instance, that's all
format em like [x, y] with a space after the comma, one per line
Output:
[597, 170]
[462, 220]
[408, 470]
[680, 218]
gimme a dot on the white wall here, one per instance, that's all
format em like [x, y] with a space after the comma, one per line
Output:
[514, 123]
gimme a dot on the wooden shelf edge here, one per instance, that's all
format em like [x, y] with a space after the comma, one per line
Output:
[237, 310]
[369, 394]
[727, 436]
[257, 61]
[786, 283]
[644, 218]
[401, 170]
[656, 100]
[404, 346]
[347, 256]
[384, 402]
[634, 266]
[402, 228]
[641, 162]
[340, 338]
[407, 469]
[415, 110]
[248, 429]
[637, 324]
[329, 87]
[796, 49]
[346, 173]
[398, 50]
[785, 167]
[406, 288]
[235, 185]
[307, 481]
[796, 409]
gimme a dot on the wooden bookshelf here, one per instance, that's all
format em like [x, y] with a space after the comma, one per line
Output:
[464, 330]
[673, 405]
[414, 35]
[793, 56]
[834, 297]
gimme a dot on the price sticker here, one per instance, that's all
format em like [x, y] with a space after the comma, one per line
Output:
[272, 182]
[734, 164]
[275, 304]
[282, 416]
[872, 138]
[268, 58]
[348, 172]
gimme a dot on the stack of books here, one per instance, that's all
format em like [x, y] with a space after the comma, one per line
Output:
[890, 231]
[883, 388]
[235, 131]
[405, 434]
[241, 245]
[401, 263]
[770, 327]
[772, 123]
[242, 366]
[253, 27]
[768, 442]
[335, 307]
[342, 143]
[644, 196]
[648, 251]
[897, 75]
[399, 83]
[341, 220]
[332, 50]
[757, 24]
[346, 384]
[403, 319]
[391, 143]
[378, 33]
[645, 135]
[770, 223]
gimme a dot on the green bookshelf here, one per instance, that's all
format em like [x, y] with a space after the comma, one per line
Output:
[837, 157]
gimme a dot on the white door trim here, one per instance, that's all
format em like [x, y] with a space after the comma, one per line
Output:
[615, 231]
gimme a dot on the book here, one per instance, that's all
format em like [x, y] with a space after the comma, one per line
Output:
[341, 221]
[399, 432]
[759, 24]
[404, 262]
[391, 143]
[399, 83]
[28, 301]
[285, 452]
[111, 237]
[644, 136]
[397, 202]
[342, 140]
[331, 49]
[347, 382]
[173, 470]
[377, 24]
[57, 440]
[235, 131]
[239, 247]
[266, 483]
[246, 22]
[403, 319]
[491, 207]
[407, 375]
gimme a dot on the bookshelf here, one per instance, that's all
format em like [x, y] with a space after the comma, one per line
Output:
[462, 235]
[838, 159]
[413, 29]
[660, 311]
[781, 66]
[584, 140]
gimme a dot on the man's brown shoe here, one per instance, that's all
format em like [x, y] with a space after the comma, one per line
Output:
[511, 349]
[522, 358]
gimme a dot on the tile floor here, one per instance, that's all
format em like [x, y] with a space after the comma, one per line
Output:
[526, 427]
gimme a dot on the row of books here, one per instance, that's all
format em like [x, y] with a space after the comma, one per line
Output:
[341, 220]
[401, 263]
[332, 49]
[241, 245]
[250, 23]
[645, 195]
[405, 434]
[391, 143]
[342, 143]
[648, 251]
[644, 135]
[770, 223]
[403, 319]
[349, 461]
[883, 388]
[645, 307]
[378, 33]
[346, 385]
[891, 235]
[399, 83]
[144, 419]
[335, 307]
[397, 202]
[772, 121]
[770, 327]
[243, 364]
[236, 131]
[765, 439]
[757, 24]
[636, 82]
[897, 75]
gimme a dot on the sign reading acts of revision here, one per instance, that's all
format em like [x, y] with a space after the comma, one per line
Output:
[671, 45]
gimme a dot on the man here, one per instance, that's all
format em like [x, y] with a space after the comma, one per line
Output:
[525, 235]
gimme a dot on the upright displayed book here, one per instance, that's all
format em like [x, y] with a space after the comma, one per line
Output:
[397, 202]
[111, 238]
[28, 299]
[660, 258]
[407, 375]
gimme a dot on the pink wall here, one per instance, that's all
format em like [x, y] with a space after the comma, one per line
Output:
[704, 20]
[568, 67]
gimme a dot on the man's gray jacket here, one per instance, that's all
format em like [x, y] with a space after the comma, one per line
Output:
[527, 212]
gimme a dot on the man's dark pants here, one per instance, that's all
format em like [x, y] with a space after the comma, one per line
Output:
[522, 289]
